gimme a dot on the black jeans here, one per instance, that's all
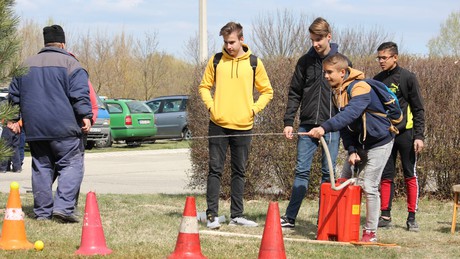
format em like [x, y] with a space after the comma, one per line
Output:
[239, 148]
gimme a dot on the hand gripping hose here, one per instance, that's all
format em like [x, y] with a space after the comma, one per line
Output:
[331, 169]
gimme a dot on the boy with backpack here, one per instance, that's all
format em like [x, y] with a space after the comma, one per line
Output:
[409, 141]
[365, 131]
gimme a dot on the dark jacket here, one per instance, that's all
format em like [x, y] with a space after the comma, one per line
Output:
[359, 128]
[408, 92]
[310, 91]
[53, 96]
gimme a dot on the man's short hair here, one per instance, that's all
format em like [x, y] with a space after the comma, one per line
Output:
[320, 27]
[231, 27]
[339, 60]
[390, 46]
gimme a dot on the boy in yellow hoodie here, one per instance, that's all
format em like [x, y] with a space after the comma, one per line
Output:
[232, 110]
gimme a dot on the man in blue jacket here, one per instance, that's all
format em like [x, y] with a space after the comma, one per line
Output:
[56, 111]
[365, 135]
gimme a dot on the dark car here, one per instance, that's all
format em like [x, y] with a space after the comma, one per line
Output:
[130, 120]
[170, 117]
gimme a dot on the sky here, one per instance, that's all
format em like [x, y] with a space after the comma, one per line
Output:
[412, 23]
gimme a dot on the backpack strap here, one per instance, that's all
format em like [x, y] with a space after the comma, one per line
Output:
[252, 61]
[403, 76]
[216, 61]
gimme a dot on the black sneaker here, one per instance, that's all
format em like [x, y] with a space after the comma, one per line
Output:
[412, 225]
[286, 222]
[384, 223]
[65, 218]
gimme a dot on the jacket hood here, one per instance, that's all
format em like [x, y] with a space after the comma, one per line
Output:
[247, 53]
[352, 75]
[334, 49]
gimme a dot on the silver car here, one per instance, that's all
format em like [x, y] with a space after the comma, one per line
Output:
[170, 117]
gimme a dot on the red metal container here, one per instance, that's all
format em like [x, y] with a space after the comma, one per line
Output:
[339, 213]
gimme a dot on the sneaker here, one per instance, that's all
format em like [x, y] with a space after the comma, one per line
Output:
[240, 221]
[42, 218]
[412, 225]
[286, 222]
[384, 223]
[65, 218]
[213, 223]
[369, 236]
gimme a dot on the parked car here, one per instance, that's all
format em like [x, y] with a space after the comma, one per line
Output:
[171, 117]
[99, 134]
[130, 120]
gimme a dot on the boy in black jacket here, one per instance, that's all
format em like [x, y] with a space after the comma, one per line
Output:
[409, 141]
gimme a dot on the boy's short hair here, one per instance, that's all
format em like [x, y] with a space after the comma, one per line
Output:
[320, 27]
[231, 27]
[339, 60]
[390, 46]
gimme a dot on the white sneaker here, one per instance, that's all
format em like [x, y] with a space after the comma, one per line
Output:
[213, 224]
[240, 221]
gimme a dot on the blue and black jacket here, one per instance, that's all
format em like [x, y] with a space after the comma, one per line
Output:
[53, 96]
[358, 127]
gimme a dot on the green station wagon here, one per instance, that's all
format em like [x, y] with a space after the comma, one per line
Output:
[130, 120]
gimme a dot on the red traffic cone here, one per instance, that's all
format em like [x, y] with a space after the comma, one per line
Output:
[272, 245]
[92, 237]
[188, 240]
[14, 230]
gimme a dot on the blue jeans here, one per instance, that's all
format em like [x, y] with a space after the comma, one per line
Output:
[306, 148]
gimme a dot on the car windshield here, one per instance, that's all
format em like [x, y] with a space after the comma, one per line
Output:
[138, 107]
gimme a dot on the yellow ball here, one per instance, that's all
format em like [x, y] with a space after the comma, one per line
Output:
[14, 185]
[39, 245]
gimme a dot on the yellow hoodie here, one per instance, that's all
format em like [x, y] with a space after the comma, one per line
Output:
[232, 105]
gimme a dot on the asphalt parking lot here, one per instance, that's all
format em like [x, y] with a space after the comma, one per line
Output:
[125, 172]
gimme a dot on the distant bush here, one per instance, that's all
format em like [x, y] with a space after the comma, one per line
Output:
[272, 159]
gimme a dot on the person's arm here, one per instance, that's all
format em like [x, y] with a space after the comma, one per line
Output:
[79, 94]
[263, 86]
[416, 105]
[93, 98]
[294, 95]
[207, 82]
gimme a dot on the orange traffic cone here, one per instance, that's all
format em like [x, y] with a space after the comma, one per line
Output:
[14, 231]
[92, 237]
[188, 240]
[272, 246]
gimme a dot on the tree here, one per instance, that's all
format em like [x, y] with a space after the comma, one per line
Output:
[281, 35]
[447, 43]
[9, 63]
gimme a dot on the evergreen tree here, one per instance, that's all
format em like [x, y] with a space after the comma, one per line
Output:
[9, 63]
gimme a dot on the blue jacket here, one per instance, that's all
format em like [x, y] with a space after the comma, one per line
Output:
[53, 96]
[359, 128]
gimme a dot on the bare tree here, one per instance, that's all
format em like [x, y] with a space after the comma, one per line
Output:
[192, 49]
[281, 34]
[360, 42]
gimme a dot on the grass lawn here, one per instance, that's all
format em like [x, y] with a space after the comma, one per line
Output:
[146, 226]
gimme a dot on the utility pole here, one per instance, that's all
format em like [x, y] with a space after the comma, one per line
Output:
[203, 31]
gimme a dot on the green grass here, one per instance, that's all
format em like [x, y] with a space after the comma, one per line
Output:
[146, 226]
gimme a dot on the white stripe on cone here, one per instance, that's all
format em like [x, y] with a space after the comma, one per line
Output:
[14, 214]
[189, 225]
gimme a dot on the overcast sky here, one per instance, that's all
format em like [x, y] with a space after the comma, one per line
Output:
[412, 23]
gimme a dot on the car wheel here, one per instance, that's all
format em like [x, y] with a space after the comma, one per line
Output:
[106, 143]
[186, 134]
[89, 145]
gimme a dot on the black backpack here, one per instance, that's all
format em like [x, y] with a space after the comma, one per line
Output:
[252, 60]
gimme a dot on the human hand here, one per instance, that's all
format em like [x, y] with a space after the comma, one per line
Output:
[418, 146]
[288, 132]
[14, 126]
[86, 125]
[354, 159]
[317, 132]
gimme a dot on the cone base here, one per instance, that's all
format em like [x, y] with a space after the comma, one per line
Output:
[186, 255]
[93, 251]
[15, 245]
